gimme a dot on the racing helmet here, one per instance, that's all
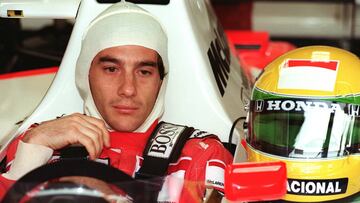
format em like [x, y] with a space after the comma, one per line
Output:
[305, 111]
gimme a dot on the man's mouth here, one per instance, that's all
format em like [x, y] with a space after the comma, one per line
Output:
[124, 109]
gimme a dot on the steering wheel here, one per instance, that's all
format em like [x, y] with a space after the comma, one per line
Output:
[139, 191]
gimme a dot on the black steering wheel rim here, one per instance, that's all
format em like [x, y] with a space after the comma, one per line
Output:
[76, 167]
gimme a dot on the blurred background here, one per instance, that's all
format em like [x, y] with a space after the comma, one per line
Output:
[34, 43]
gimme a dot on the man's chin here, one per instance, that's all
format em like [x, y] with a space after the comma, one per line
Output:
[124, 122]
[125, 126]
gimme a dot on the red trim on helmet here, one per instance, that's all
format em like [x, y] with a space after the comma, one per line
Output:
[331, 65]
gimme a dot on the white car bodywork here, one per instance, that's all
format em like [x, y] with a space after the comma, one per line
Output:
[19, 97]
[207, 95]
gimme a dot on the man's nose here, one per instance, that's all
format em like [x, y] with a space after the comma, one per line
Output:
[127, 85]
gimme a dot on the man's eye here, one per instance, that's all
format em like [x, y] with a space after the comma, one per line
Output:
[145, 72]
[110, 69]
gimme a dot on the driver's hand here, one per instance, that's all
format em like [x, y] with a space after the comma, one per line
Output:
[73, 129]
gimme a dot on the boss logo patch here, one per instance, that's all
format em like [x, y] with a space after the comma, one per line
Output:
[164, 140]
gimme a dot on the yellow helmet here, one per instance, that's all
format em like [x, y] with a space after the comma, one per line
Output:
[305, 111]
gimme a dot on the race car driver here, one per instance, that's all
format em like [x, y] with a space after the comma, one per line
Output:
[121, 75]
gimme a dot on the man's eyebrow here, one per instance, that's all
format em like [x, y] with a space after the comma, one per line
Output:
[104, 59]
[148, 63]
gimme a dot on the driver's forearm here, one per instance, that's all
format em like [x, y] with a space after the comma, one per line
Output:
[27, 157]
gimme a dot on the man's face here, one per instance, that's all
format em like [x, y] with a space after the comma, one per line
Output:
[124, 83]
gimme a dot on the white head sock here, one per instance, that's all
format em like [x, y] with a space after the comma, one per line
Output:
[121, 24]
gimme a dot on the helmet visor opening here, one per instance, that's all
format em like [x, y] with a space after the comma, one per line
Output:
[304, 128]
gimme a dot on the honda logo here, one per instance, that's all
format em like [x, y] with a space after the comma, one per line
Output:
[259, 105]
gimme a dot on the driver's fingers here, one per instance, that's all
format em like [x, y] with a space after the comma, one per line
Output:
[99, 124]
[89, 145]
[91, 124]
[86, 128]
[94, 136]
[94, 132]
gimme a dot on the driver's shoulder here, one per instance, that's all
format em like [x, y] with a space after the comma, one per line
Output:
[204, 144]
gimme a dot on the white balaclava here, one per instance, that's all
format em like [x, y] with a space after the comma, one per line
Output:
[121, 24]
